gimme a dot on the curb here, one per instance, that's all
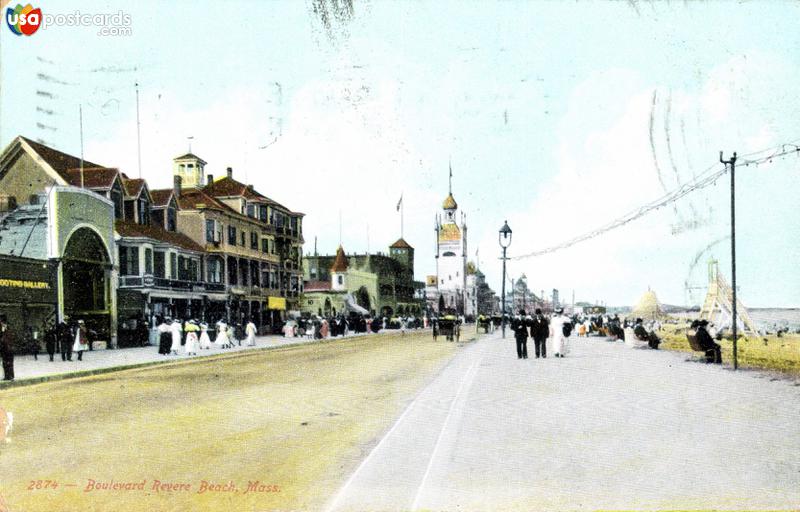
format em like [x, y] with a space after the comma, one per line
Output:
[119, 368]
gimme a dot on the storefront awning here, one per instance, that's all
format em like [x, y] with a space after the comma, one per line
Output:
[276, 303]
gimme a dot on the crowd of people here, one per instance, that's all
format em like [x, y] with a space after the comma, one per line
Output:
[550, 333]
[319, 327]
[189, 337]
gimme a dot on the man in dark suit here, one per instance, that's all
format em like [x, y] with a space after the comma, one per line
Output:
[540, 330]
[520, 327]
[65, 340]
[6, 348]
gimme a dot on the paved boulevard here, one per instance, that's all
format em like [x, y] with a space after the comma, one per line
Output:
[608, 427]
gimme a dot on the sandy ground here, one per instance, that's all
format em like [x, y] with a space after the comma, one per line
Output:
[295, 420]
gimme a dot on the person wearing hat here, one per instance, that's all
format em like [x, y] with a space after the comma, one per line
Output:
[557, 333]
[540, 328]
[520, 327]
[191, 329]
[81, 340]
[164, 336]
[6, 348]
[64, 335]
[706, 342]
[641, 334]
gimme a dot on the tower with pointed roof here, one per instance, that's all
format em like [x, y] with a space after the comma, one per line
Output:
[451, 252]
[190, 168]
[339, 271]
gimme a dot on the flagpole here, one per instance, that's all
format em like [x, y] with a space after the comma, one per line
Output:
[80, 121]
[402, 209]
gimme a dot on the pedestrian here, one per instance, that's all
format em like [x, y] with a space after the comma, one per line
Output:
[250, 330]
[520, 327]
[540, 329]
[205, 341]
[164, 336]
[191, 329]
[232, 336]
[51, 341]
[221, 340]
[81, 344]
[6, 348]
[64, 340]
[560, 328]
[175, 329]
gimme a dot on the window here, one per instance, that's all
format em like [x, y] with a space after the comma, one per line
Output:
[148, 262]
[172, 220]
[449, 253]
[262, 213]
[159, 264]
[144, 211]
[173, 265]
[12, 203]
[265, 245]
[214, 270]
[244, 239]
[129, 261]
[254, 240]
[209, 231]
[340, 279]
[158, 217]
[231, 235]
[251, 210]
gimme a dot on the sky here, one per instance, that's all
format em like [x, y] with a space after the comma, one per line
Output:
[558, 117]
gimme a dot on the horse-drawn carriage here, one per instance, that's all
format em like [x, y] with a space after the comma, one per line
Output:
[448, 326]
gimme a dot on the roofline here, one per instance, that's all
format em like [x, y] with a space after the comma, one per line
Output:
[124, 238]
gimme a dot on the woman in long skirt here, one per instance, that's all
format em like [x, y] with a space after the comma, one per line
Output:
[175, 328]
[205, 341]
[250, 330]
[222, 335]
[164, 337]
[191, 337]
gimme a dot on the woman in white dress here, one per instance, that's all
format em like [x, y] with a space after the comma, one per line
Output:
[250, 330]
[205, 341]
[191, 329]
[81, 340]
[222, 335]
[176, 337]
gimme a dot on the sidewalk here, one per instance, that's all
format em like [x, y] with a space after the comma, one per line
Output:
[28, 370]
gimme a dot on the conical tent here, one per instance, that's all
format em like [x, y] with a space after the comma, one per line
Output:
[648, 307]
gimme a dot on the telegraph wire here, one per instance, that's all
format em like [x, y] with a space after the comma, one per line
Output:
[706, 178]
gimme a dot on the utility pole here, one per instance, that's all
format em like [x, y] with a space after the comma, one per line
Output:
[732, 163]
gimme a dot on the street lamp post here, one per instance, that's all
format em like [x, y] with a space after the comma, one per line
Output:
[504, 238]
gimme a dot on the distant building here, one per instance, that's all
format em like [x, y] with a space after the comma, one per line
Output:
[381, 284]
[480, 297]
[451, 257]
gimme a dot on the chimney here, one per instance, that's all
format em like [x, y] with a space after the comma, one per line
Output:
[230, 172]
[209, 179]
[176, 186]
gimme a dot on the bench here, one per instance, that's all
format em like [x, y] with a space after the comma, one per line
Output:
[692, 339]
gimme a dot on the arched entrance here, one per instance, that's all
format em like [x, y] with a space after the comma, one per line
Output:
[362, 298]
[328, 307]
[87, 283]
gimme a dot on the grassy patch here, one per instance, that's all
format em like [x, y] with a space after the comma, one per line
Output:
[776, 354]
